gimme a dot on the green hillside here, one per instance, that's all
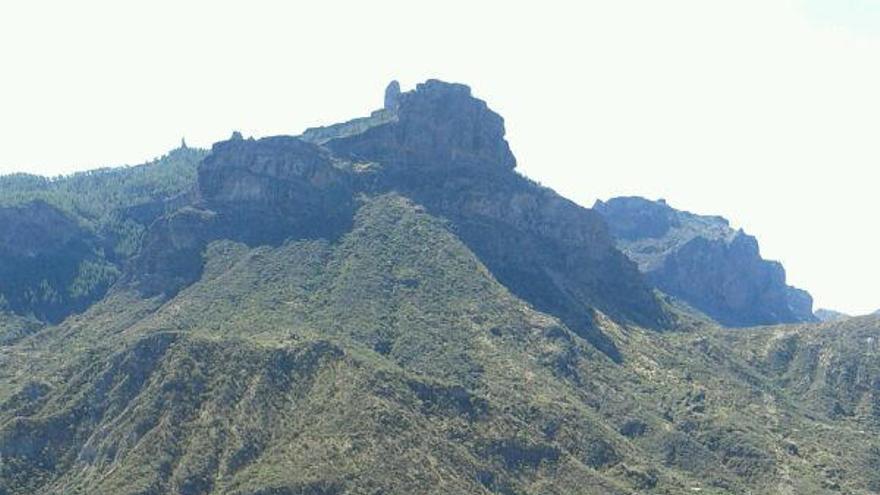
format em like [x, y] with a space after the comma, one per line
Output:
[387, 307]
[393, 362]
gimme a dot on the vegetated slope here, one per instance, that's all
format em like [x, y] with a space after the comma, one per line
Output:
[94, 197]
[705, 263]
[392, 361]
[14, 327]
[63, 241]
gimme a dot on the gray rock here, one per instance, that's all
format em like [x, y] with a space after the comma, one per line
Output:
[392, 96]
[438, 125]
[706, 263]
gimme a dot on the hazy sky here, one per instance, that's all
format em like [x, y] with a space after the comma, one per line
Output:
[764, 111]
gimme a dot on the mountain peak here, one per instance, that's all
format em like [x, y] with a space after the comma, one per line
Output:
[436, 125]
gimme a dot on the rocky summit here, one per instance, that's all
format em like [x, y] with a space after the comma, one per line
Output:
[705, 263]
[385, 306]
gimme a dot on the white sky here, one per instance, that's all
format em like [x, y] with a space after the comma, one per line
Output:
[764, 111]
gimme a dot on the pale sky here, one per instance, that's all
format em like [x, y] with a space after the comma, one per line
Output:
[764, 111]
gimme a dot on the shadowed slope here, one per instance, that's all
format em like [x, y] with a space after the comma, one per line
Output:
[391, 360]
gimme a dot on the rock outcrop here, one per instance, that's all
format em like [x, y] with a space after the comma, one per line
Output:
[392, 96]
[437, 125]
[260, 192]
[706, 263]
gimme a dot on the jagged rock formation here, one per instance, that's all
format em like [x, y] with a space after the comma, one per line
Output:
[14, 328]
[446, 150]
[705, 263]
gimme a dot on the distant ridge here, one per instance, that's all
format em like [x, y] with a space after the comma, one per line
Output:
[706, 263]
[830, 315]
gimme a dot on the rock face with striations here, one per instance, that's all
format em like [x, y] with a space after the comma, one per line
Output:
[704, 262]
[445, 150]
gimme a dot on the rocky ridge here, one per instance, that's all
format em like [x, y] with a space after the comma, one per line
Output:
[706, 263]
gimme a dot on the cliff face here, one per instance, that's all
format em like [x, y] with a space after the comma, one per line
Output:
[706, 263]
[260, 192]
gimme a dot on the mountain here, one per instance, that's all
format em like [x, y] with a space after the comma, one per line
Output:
[705, 263]
[830, 315]
[385, 306]
[437, 146]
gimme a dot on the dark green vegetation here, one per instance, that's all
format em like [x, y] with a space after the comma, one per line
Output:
[64, 241]
[395, 311]
[704, 262]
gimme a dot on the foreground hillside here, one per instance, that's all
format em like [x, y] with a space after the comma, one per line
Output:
[392, 361]
[389, 363]
[384, 306]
